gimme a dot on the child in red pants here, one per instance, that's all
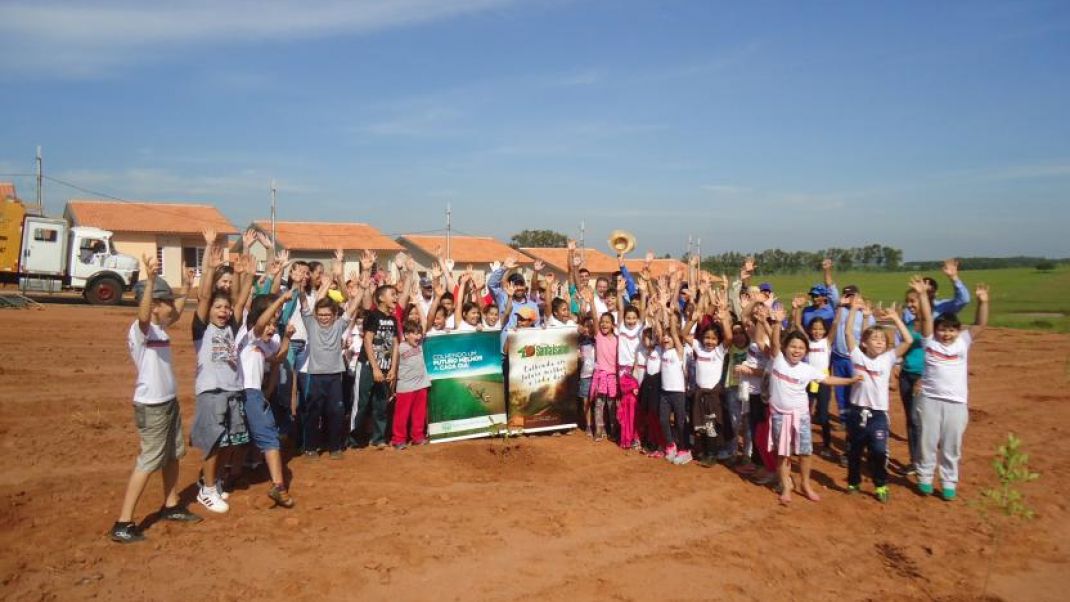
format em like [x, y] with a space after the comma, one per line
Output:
[412, 387]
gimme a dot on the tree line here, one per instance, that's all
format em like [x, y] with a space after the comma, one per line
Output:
[777, 261]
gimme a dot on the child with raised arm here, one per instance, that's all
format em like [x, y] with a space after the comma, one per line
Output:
[709, 348]
[324, 399]
[940, 408]
[156, 412]
[867, 418]
[261, 346]
[629, 338]
[819, 356]
[789, 408]
[219, 422]
[379, 360]
[673, 406]
[604, 384]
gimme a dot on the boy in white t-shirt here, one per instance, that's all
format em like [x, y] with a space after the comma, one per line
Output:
[940, 409]
[867, 414]
[789, 406]
[260, 346]
[156, 411]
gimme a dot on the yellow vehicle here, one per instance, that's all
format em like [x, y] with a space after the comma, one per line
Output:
[46, 254]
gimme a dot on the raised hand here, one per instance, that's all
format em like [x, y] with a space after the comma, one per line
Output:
[510, 262]
[247, 239]
[410, 264]
[494, 267]
[648, 258]
[508, 287]
[826, 264]
[748, 267]
[693, 261]
[951, 268]
[867, 310]
[283, 256]
[151, 266]
[264, 239]
[209, 236]
[570, 245]
[477, 281]
[917, 284]
[276, 267]
[798, 302]
[367, 259]
[577, 261]
[550, 278]
[338, 265]
[436, 272]
[779, 314]
[448, 264]
[981, 292]
[538, 266]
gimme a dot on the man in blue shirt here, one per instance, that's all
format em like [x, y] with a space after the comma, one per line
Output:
[520, 294]
[944, 306]
[824, 298]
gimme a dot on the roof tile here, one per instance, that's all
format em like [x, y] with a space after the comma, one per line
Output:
[320, 236]
[467, 249]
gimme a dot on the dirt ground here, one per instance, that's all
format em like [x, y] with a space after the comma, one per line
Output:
[539, 518]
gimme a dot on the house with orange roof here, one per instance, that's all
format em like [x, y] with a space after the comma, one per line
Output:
[170, 231]
[556, 260]
[317, 241]
[477, 251]
[658, 267]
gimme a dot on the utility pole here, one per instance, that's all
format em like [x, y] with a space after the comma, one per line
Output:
[40, 181]
[583, 229]
[273, 243]
[449, 230]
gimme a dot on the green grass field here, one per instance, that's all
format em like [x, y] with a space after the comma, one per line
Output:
[1021, 297]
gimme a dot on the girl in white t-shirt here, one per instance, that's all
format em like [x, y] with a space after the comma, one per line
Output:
[708, 351]
[819, 355]
[940, 408]
[789, 407]
[867, 416]
[629, 338]
[650, 395]
[672, 409]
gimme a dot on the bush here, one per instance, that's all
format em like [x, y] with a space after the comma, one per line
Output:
[1045, 266]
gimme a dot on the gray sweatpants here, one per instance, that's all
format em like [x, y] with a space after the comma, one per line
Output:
[941, 425]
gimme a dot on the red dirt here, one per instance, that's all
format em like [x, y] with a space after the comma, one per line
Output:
[551, 518]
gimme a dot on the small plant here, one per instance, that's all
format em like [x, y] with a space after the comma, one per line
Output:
[1005, 502]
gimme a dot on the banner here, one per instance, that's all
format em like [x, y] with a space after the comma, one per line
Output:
[467, 397]
[544, 376]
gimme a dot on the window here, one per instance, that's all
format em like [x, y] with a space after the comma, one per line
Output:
[159, 260]
[45, 234]
[193, 257]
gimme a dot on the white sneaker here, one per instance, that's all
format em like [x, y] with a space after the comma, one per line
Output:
[670, 454]
[209, 498]
[223, 493]
[682, 458]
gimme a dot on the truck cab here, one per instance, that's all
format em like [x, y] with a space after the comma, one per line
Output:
[95, 267]
[55, 256]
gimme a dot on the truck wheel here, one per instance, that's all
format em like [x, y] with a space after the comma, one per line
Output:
[104, 291]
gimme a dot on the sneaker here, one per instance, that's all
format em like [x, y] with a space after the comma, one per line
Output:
[853, 489]
[670, 453]
[906, 470]
[657, 453]
[380, 446]
[126, 533]
[708, 461]
[336, 454]
[882, 494]
[223, 493]
[682, 458]
[399, 446]
[767, 478]
[925, 488]
[281, 496]
[180, 514]
[209, 498]
[948, 494]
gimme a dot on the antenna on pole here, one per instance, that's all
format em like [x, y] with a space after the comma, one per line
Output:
[40, 181]
[449, 229]
[583, 230]
[273, 190]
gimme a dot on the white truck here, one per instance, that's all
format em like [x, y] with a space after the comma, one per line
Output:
[53, 256]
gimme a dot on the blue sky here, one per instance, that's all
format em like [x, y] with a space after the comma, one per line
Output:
[938, 127]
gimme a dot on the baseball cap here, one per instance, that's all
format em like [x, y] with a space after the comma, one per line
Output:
[819, 290]
[765, 287]
[425, 282]
[527, 313]
[850, 289]
[516, 279]
[160, 290]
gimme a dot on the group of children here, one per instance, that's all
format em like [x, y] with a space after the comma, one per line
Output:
[683, 366]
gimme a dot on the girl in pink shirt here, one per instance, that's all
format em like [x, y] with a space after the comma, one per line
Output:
[604, 381]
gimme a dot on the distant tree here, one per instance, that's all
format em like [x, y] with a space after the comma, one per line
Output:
[538, 238]
[1045, 265]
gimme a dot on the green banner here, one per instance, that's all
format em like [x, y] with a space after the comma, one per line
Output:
[467, 397]
[544, 376]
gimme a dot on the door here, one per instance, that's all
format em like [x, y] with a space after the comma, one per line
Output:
[43, 246]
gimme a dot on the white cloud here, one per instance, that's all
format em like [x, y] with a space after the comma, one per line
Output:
[56, 38]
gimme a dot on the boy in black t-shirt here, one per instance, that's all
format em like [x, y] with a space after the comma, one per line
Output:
[378, 362]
